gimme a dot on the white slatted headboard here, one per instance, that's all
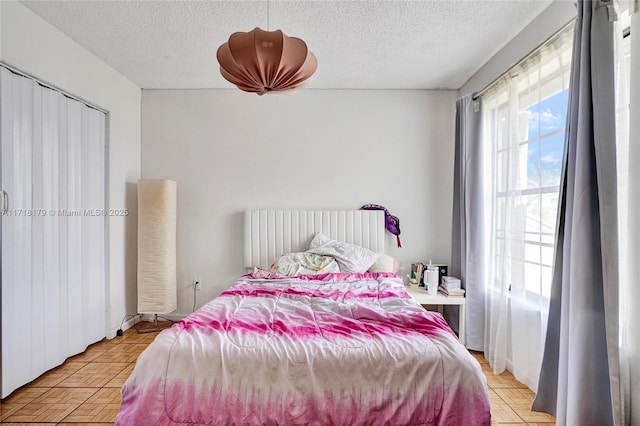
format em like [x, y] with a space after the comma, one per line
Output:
[270, 233]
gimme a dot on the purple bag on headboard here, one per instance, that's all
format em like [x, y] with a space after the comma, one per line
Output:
[391, 222]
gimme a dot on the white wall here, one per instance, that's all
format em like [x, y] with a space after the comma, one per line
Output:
[552, 19]
[32, 45]
[313, 149]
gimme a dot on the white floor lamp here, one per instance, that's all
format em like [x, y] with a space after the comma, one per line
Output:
[157, 290]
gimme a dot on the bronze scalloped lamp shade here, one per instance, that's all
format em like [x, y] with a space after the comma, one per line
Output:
[265, 61]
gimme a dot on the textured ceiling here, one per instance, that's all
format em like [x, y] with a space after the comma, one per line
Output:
[359, 44]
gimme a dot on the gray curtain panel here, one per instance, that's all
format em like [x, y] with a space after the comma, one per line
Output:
[470, 236]
[580, 368]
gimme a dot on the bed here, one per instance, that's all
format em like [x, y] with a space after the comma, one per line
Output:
[328, 348]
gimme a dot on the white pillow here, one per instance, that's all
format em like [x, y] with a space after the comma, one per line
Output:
[293, 264]
[385, 263]
[350, 257]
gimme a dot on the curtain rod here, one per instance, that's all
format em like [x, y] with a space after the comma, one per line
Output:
[51, 86]
[476, 95]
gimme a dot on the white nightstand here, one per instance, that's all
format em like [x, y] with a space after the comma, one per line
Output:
[421, 296]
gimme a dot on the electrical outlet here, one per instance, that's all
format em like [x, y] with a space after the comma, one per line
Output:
[197, 284]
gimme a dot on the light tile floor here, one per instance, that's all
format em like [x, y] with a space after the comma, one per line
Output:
[83, 390]
[510, 399]
[86, 389]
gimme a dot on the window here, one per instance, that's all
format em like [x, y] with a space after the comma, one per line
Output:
[524, 118]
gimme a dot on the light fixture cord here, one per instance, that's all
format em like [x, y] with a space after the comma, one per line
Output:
[267, 15]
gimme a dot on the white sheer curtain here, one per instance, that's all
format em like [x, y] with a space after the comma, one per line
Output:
[53, 230]
[627, 58]
[523, 119]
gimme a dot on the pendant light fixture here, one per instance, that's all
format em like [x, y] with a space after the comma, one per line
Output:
[265, 61]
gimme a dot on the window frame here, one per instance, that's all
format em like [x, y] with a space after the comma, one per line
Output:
[538, 240]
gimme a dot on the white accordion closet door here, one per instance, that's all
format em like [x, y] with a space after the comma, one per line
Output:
[53, 267]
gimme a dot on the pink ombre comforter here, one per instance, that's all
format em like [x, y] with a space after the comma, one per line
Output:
[337, 349]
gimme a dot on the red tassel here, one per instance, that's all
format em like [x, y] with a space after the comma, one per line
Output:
[399, 243]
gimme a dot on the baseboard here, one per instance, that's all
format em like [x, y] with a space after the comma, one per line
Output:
[170, 317]
[125, 326]
[144, 317]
